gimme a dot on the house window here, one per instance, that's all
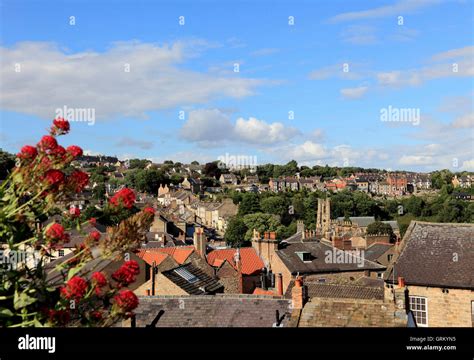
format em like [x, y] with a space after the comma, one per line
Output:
[419, 307]
[389, 257]
[61, 253]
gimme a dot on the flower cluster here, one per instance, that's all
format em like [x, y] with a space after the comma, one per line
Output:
[55, 235]
[126, 301]
[125, 275]
[124, 197]
[75, 288]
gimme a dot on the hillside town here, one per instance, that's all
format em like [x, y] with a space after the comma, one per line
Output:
[197, 270]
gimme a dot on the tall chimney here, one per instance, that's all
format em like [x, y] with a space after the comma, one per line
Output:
[279, 284]
[297, 294]
[200, 242]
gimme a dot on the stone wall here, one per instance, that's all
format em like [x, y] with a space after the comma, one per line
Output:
[446, 309]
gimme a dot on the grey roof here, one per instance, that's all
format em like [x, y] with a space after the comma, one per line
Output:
[374, 251]
[362, 221]
[288, 254]
[340, 291]
[200, 284]
[436, 254]
[392, 223]
[212, 311]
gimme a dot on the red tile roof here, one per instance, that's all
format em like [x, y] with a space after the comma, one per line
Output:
[179, 253]
[251, 262]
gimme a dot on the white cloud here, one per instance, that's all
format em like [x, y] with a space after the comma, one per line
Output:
[460, 64]
[259, 132]
[51, 78]
[411, 160]
[401, 7]
[465, 121]
[309, 150]
[211, 126]
[206, 125]
[354, 93]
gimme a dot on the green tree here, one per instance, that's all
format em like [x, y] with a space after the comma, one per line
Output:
[260, 222]
[250, 204]
[235, 232]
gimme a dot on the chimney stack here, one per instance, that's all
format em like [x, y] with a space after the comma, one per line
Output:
[297, 294]
[200, 242]
[300, 227]
[272, 235]
[279, 284]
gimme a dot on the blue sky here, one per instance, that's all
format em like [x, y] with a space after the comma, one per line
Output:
[423, 62]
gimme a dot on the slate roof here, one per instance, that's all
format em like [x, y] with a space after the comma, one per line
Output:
[251, 262]
[436, 254]
[362, 221]
[376, 250]
[212, 311]
[340, 291]
[202, 285]
[288, 254]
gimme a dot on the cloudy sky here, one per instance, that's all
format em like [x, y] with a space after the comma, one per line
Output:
[277, 80]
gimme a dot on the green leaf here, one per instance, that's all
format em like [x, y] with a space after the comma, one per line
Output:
[6, 313]
[22, 300]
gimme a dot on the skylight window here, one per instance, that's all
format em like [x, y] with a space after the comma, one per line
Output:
[305, 256]
[186, 275]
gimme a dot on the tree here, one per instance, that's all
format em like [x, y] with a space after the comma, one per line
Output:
[212, 170]
[7, 162]
[380, 228]
[235, 232]
[195, 162]
[250, 204]
[260, 222]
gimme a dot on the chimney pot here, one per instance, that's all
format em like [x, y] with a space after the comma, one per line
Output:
[401, 281]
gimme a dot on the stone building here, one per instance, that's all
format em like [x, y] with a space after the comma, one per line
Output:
[435, 266]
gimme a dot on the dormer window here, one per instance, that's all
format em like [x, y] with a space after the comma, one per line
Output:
[305, 256]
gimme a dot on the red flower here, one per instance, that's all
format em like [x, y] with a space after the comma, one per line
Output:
[75, 288]
[60, 317]
[78, 180]
[74, 211]
[127, 272]
[60, 126]
[74, 151]
[27, 152]
[56, 233]
[96, 315]
[149, 210]
[59, 151]
[126, 197]
[126, 300]
[54, 177]
[99, 279]
[47, 142]
[95, 235]
[93, 221]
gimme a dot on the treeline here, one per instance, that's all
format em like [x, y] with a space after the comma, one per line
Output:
[280, 211]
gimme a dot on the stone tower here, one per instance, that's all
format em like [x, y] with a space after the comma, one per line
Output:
[323, 217]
